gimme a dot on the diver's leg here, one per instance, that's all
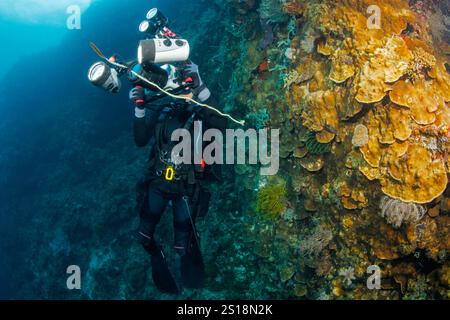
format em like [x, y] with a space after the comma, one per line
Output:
[150, 217]
[187, 244]
[183, 223]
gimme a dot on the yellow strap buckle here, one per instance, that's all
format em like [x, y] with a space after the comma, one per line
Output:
[170, 174]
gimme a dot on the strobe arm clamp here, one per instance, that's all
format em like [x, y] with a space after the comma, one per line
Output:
[120, 70]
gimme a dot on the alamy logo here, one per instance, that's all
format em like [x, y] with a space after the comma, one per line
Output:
[74, 20]
[374, 280]
[235, 147]
[374, 21]
[74, 280]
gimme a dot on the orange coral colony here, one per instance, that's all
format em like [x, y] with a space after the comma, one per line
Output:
[400, 83]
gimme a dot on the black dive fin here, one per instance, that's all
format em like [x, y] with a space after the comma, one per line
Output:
[192, 267]
[162, 277]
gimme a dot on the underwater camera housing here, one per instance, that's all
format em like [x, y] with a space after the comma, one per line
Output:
[102, 75]
[154, 59]
[151, 72]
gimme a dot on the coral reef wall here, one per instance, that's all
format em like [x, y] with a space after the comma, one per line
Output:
[364, 140]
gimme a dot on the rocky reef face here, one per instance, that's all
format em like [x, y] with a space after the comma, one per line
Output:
[364, 121]
[362, 102]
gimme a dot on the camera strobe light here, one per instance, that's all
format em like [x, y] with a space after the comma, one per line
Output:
[101, 75]
[163, 51]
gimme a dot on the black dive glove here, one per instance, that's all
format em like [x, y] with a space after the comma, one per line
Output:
[137, 96]
[192, 75]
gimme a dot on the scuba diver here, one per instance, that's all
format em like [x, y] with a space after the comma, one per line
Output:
[183, 186]
[167, 182]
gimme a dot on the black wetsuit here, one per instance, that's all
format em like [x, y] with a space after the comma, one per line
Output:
[185, 193]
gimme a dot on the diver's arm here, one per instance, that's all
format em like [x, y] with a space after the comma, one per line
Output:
[145, 121]
[198, 87]
[141, 131]
[202, 94]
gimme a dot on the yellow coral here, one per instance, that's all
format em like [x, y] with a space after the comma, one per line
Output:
[312, 163]
[271, 199]
[387, 65]
[325, 136]
[324, 49]
[422, 98]
[406, 170]
[370, 172]
[352, 198]
[418, 178]
[400, 119]
[376, 125]
[423, 60]
[320, 111]
[343, 67]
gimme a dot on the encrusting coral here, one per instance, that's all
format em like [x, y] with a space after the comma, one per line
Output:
[407, 170]
[360, 136]
[388, 64]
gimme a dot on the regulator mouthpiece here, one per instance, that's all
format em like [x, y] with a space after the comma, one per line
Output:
[163, 51]
[102, 75]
